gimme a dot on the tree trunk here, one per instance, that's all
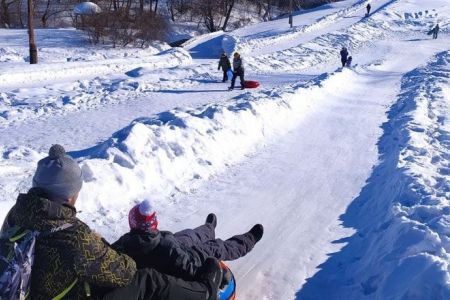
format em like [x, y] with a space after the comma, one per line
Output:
[172, 13]
[45, 15]
[6, 18]
[33, 48]
[228, 14]
[19, 13]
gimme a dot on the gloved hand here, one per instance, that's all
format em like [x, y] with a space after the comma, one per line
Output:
[211, 274]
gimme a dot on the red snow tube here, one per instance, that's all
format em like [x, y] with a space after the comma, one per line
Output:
[251, 84]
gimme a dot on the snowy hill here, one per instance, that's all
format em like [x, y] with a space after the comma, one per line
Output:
[347, 169]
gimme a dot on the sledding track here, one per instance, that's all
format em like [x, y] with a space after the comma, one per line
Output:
[297, 182]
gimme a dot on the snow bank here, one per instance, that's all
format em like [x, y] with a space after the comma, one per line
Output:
[17, 75]
[191, 43]
[402, 248]
[83, 94]
[250, 43]
[86, 8]
[177, 150]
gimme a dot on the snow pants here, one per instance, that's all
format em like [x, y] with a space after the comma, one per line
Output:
[149, 284]
[225, 76]
[202, 240]
[343, 61]
[239, 73]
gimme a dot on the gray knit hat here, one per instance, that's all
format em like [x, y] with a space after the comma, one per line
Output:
[58, 175]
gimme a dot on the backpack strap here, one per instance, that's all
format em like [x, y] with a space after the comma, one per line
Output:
[17, 237]
[65, 291]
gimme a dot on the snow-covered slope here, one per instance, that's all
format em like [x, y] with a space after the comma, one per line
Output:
[346, 168]
[400, 249]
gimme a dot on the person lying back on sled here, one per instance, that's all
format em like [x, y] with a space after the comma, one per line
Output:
[72, 261]
[182, 253]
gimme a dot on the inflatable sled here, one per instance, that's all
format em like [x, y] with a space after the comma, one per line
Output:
[251, 84]
[230, 74]
[228, 292]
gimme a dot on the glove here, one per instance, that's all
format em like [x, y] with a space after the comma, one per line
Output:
[211, 274]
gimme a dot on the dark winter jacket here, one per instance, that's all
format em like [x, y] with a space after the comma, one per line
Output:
[161, 250]
[436, 29]
[344, 55]
[238, 65]
[75, 255]
[224, 63]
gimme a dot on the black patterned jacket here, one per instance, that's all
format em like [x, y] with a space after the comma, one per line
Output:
[70, 260]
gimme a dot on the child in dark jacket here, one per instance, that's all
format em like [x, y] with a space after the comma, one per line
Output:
[180, 254]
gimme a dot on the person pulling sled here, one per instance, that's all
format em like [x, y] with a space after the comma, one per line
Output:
[238, 70]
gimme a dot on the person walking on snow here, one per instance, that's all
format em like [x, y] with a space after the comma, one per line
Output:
[435, 31]
[74, 262]
[225, 64]
[238, 70]
[368, 7]
[179, 254]
[344, 55]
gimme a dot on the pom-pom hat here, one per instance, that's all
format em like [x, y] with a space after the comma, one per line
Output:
[58, 175]
[143, 217]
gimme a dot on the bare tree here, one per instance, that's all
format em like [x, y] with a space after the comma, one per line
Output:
[229, 4]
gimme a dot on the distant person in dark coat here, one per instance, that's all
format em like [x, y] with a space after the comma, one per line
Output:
[435, 31]
[344, 55]
[225, 64]
[368, 7]
[179, 254]
[238, 70]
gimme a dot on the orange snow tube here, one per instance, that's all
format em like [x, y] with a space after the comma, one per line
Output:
[227, 292]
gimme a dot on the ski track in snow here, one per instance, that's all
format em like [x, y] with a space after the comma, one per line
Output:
[352, 208]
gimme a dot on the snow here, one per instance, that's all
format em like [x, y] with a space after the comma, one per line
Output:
[86, 8]
[347, 169]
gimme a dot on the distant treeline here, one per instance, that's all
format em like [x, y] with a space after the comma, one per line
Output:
[139, 21]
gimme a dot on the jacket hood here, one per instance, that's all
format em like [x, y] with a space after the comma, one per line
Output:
[135, 241]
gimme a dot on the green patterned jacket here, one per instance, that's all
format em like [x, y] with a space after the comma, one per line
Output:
[70, 261]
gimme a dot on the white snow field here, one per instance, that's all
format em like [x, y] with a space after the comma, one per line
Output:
[347, 169]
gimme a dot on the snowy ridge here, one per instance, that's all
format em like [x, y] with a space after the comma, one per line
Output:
[379, 26]
[178, 149]
[17, 75]
[249, 44]
[191, 43]
[402, 247]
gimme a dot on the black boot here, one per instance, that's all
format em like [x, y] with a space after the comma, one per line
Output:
[211, 274]
[211, 219]
[257, 232]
